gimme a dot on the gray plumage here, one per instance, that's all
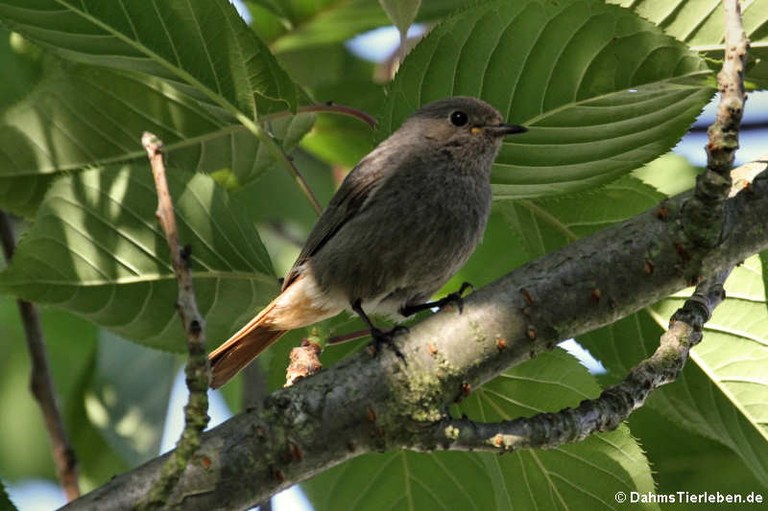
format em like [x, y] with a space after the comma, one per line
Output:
[410, 214]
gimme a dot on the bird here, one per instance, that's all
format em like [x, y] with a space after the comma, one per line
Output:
[403, 221]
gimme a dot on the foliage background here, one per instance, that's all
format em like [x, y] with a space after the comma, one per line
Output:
[606, 92]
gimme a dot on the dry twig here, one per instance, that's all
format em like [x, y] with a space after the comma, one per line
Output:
[40, 380]
[197, 370]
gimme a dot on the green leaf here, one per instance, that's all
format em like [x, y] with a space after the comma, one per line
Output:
[670, 174]
[701, 25]
[500, 251]
[677, 457]
[602, 90]
[21, 195]
[723, 392]
[547, 224]
[234, 155]
[202, 46]
[24, 59]
[402, 13]
[764, 268]
[339, 140]
[82, 115]
[95, 249]
[343, 79]
[129, 411]
[585, 475]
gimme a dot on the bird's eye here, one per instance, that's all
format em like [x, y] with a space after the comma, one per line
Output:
[459, 118]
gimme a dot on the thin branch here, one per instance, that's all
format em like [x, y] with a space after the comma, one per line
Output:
[329, 107]
[282, 159]
[615, 404]
[41, 384]
[704, 213]
[197, 370]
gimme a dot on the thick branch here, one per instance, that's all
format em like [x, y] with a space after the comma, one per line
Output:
[364, 404]
[40, 380]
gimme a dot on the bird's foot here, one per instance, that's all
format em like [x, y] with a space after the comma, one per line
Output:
[387, 338]
[456, 298]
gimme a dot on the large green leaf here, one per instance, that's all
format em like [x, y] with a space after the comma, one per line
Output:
[678, 457]
[586, 475]
[82, 115]
[547, 224]
[95, 249]
[202, 46]
[723, 392]
[602, 90]
[701, 24]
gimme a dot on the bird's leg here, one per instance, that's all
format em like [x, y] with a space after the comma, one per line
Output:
[380, 337]
[455, 298]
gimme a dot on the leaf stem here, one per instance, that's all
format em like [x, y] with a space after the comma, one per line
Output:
[329, 107]
[282, 159]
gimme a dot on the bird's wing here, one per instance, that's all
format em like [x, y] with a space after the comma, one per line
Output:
[349, 199]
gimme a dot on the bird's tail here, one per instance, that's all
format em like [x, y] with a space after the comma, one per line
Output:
[244, 346]
[300, 304]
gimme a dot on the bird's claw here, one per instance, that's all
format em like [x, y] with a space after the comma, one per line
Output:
[457, 297]
[387, 338]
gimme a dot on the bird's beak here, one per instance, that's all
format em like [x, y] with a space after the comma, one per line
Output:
[503, 130]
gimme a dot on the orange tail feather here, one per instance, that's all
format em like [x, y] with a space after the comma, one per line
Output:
[240, 349]
[295, 307]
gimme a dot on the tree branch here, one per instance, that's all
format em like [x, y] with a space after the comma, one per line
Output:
[197, 371]
[282, 159]
[704, 213]
[366, 403]
[615, 404]
[41, 385]
[329, 107]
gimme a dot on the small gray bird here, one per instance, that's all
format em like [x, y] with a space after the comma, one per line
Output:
[404, 220]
